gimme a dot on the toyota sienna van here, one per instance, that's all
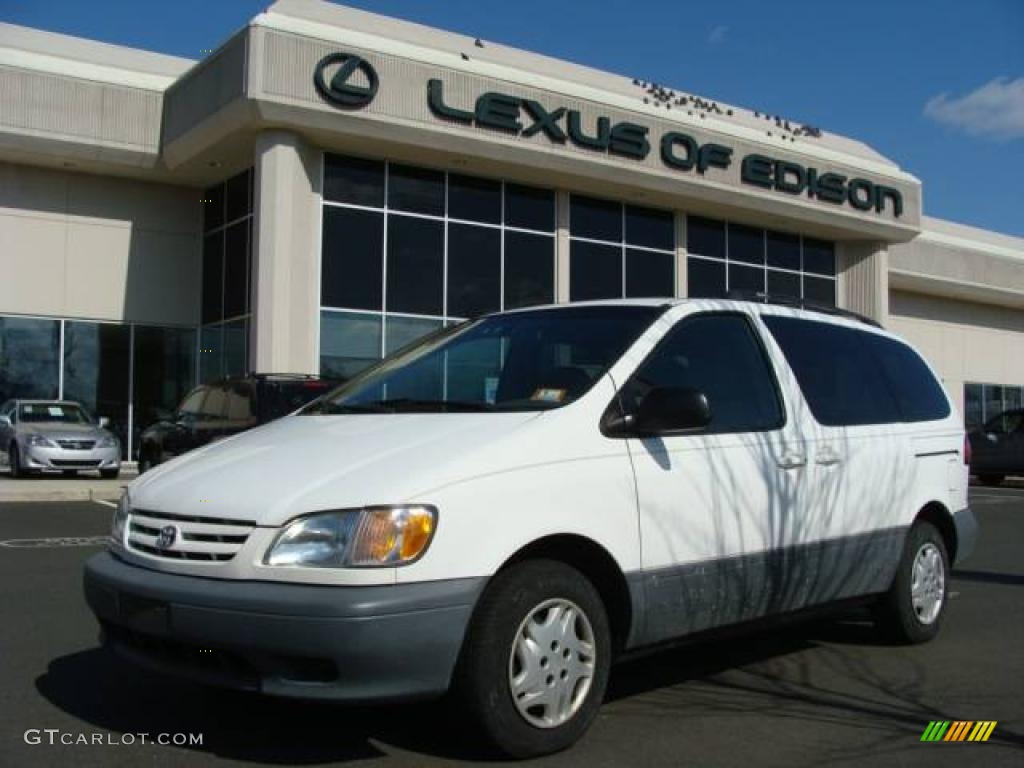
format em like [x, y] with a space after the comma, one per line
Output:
[505, 507]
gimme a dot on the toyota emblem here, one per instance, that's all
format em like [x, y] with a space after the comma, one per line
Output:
[167, 536]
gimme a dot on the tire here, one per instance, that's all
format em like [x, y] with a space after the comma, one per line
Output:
[900, 615]
[991, 479]
[14, 461]
[517, 604]
[110, 474]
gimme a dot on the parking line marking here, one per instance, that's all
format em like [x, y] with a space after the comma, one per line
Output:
[106, 503]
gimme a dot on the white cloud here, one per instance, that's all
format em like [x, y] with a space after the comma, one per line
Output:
[995, 110]
[717, 35]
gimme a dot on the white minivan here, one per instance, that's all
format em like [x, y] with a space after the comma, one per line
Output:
[505, 507]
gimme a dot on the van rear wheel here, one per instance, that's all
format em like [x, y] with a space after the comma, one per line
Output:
[912, 610]
[535, 663]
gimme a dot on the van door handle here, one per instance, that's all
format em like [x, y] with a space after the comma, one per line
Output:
[827, 457]
[792, 461]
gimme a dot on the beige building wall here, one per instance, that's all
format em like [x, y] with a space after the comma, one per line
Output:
[97, 247]
[964, 341]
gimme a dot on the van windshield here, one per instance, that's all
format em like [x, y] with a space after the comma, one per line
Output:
[519, 361]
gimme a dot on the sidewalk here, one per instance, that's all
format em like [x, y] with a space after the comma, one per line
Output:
[59, 488]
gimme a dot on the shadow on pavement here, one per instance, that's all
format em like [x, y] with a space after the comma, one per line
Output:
[989, 577]
[751, 675]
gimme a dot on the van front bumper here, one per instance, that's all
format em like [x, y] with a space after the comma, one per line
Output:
[365, 643]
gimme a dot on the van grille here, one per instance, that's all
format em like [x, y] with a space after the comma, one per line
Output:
[208, 539]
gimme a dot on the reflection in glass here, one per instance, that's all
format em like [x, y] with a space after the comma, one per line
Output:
[97, 360]
[236, 343]
[164, 371]
[349, 342]
[405, 330]
[29, 365]
[211, 353]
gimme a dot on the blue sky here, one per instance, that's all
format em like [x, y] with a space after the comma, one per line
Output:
[936, 85]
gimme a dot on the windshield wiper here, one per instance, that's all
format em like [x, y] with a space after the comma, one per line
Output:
[328, 408]
[445, 406]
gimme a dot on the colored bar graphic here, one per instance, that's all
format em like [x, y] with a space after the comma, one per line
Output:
[959, 730]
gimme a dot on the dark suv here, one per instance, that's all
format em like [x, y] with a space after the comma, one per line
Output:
[221, 408]
[997, 449]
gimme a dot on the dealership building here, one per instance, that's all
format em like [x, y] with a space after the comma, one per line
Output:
[329, 184]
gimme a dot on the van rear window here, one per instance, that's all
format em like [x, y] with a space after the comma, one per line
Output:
[851, 377]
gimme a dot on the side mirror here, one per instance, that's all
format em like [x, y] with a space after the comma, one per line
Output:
[103, 421]
[663, 411]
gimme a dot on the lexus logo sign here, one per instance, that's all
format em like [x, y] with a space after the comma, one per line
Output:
[346, 80]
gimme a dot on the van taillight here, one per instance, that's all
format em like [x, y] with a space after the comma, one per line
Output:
[967, 450]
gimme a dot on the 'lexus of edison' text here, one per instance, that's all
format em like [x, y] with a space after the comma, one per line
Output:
[508, 505]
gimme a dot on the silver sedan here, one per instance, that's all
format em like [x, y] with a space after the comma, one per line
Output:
[40, 435]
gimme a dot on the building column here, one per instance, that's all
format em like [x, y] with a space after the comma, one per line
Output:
[864, 279]
[682, 287]
[562, 247]
[284, 336]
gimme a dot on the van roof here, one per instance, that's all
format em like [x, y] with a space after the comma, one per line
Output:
[759, 304]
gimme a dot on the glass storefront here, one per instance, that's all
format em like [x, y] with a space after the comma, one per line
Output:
[130, 374]
[620, 251]
[407, 250]
[227, 278]
[724, 257]
[983, 402]
[29, 358]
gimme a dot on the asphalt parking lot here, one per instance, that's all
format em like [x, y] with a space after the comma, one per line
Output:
[827, 692]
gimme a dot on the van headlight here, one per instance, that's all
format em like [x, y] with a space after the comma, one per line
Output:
[117, 526]
[358, 538]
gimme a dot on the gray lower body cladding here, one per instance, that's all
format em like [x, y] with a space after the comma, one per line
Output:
[681, 600]
[347, 643]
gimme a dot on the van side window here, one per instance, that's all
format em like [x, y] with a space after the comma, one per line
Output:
[842, 381]
[720, 355]
[919, 396]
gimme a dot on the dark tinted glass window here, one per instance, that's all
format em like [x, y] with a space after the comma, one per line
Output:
[213, 277]
[919, 396]
[595, 271]
[349, 342]
[783, 284]
[746, 244]
[96, 365]
[213, 207]
[415, 266]
[529, 269]
[354, 180]
[650, 228]
[415, 189]
[474, 270]
[839, 377]
[783, 250]
[353, 250]
[474, 199]
[649, 273]
[746, 279]
[820, 290]
[819, 257]
[595, 219]
[973, 410]
[236, 269]
[721, 356]
[238, 196]
[705, 237]
[705, 279]
[529, 208]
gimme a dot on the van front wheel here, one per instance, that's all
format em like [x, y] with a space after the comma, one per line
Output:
[912, 610]
[535, 663]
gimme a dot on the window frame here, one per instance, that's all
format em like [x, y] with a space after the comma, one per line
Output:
[386, 211]
[762, 347]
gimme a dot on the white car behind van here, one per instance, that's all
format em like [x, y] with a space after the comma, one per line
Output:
[509, 505]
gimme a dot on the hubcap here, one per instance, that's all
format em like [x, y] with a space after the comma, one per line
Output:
[551, 666]
[928, 583]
